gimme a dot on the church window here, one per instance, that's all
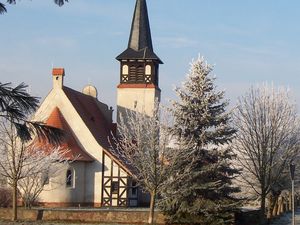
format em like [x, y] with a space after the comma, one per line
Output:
[114, 187]
[148, 70]
[70, 178]
[125, 70]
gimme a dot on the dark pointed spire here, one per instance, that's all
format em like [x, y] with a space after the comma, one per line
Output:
[140, 41]
[140, 35]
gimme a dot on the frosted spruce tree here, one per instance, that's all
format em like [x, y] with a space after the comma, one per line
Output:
[202, 133]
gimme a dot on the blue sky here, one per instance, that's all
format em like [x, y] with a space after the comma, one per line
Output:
[248, 41]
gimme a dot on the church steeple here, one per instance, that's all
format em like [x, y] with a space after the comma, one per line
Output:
[139, 67]
[140, 35]
[140, 41]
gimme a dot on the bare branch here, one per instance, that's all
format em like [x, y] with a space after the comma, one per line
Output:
[267, 139]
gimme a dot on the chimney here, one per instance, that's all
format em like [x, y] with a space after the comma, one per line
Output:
[58, 77]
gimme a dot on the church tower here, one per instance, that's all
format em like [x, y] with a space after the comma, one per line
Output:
[139, 67]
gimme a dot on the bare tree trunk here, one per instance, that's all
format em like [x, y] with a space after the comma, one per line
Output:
[15, 201]
[280, 206]
[271, 203]
[152, 207]
[275, 208]
[263, 209]
[286, 204]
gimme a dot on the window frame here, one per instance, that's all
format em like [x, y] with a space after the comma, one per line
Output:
[115, 187]
[70, 184]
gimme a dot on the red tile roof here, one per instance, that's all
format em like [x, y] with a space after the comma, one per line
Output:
[88, 109]
[58, 71]
[70, 145]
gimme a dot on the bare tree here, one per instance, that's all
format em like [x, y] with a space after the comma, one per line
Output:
[48, 165]
[267, 139]
[142, 143]
[22, 159]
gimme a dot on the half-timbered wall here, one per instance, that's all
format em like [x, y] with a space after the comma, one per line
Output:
[115, 180]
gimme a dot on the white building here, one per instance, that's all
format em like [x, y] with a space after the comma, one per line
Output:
[97, 177]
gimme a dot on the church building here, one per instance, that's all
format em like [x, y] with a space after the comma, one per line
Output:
[96, 176]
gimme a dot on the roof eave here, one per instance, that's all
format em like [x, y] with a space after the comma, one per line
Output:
[130, 54]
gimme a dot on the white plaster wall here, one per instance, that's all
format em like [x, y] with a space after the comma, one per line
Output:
[123, 173]
[115, 171]
[57, 191]
[107, 172]
[93, 174]
[144, 97]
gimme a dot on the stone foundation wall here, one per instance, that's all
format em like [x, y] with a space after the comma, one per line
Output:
[76, 215]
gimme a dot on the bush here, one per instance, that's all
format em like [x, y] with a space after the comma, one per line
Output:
[5, 197]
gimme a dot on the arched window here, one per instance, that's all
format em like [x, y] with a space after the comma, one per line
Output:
[125, 70]
[70, 178]
[148, 70]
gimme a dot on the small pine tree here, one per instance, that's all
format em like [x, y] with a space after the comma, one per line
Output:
[202, 133]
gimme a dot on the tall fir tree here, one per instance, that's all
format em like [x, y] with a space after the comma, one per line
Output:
[202, 133]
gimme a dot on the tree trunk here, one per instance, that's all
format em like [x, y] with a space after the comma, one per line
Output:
[15, 202]
[274, 213]
[280, 206]
[263, 209]
[286, 204]
[271, 203]
[152, 207]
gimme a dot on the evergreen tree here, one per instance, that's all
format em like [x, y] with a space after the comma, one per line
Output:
[202, 133]
[16, 105]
